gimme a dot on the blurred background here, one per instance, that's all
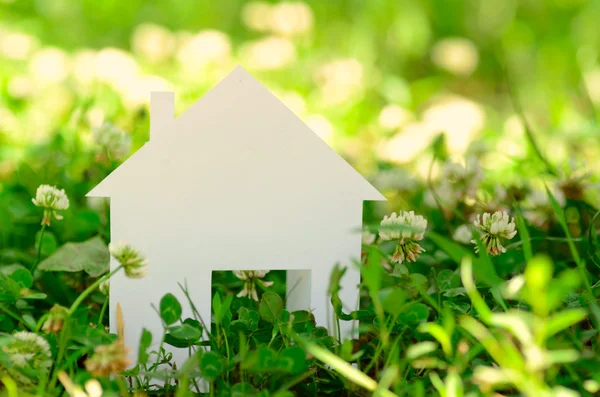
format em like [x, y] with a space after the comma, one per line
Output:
[378, 80]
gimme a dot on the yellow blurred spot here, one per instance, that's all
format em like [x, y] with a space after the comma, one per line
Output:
[136, 92]
[9, 123]
[456, 55]
[269, 53]
[339, 80]
[592, 83]
[36, 126]
[84, 66]
[286, 18]
[512, 143]
[16, 46]
[591, 386]
[208, 47]
[56, 102]
[95, 117]
[119, 70]
[257, 16]
[20, 87]
[321, 126]
[93, 388]
[49, 65]
[459, 118]
[291, 18]
[115, 67]
[407, 143]
[394, 116]
[153, 42]
[556, 149]
[513, 126]
[294, 101]
[511, 147]
[423, 169]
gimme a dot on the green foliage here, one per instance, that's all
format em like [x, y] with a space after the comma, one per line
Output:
[22, 277]
[183, 335]
[271, 307]
[211, 365]
[90, 256]
[170, 309]
[145, 342]
[523, 366]
[221, 309]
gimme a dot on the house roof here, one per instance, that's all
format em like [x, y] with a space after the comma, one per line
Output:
[237, 133]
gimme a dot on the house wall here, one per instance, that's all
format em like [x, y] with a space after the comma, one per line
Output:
[185, 242]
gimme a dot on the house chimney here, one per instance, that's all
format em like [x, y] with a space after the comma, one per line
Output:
[162, 112]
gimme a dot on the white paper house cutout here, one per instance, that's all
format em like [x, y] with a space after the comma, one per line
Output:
[237, 182]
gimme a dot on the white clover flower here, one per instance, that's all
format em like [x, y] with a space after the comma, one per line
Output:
[493, 201]
[396, 179]
[406, 228]
[115, 142]
[108, 359]
[51, 200]
[26, 350]
[477, 149]
[575, 179]
[251, 278]
[538, 210]
[445, 193]
[495, 227]
[539, 198]
[463, 234]
[56, 319]
[411, 226]
[464, 179]
[104, 287]
[134, 263]
[368, 238]
[20, 359]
